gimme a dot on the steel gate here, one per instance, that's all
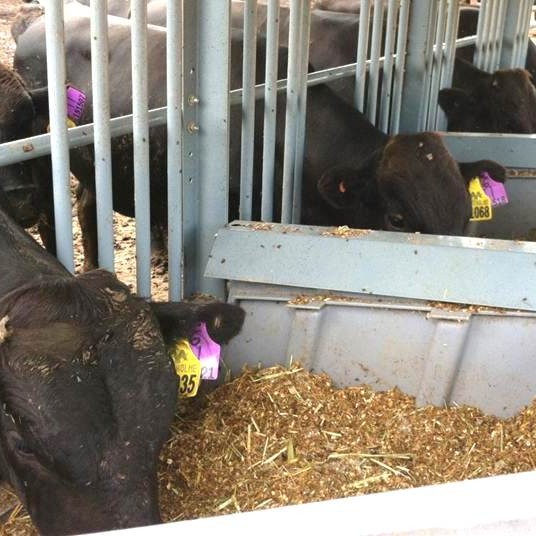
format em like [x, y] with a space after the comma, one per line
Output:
[404, 73]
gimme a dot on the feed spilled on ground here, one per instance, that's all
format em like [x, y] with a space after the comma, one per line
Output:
[280, 436]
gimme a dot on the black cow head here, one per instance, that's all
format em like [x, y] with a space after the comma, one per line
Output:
[504, 101]
[411, 184]
[18, 108]
[87, 395]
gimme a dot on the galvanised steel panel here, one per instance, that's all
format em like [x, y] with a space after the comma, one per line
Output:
[439, 353]
[447, 268]
[511, 150]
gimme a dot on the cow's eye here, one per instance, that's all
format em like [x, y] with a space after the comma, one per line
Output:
[396, 220]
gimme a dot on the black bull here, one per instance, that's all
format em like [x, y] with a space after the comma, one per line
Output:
[342, 146]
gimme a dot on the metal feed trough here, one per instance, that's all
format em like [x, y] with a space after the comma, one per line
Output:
[310, 295]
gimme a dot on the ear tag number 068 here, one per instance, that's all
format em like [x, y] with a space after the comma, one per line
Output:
[188, 368]
[481, 209]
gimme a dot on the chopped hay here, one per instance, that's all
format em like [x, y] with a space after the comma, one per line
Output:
[281, 436]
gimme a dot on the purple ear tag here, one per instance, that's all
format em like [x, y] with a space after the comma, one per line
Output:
[207, 351]
[494, 190]
[76, 101]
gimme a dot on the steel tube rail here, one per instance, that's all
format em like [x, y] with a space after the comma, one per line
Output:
[400, 62]
[101, 119]
[174, 147]
[374, 67]
[141, 147]
[388, 65]
[296, 9]
[270, 111]
[59, 148]
[248, 109]
[305, 24]
[361, 56]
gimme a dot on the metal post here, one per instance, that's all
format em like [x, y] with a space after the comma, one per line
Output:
[101, 119]
[55, 39]
[514, 44]
[174, 146]
[388, 64]
[141, 148]
[270, 111]
[450, 52]
[497, 36]
[361, 56]
[482, 33]
[305, 25]
[291, 121]
[190, 184]
[248, 109]
[374, 68]
[437, 64]
[400, 66]
[413, 89]
[213, 71]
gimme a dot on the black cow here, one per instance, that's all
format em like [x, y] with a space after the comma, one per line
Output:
[87, 390]
[356, 175]
[504, 101]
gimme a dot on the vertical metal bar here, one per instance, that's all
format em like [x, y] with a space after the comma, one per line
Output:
[482, 34]
[270, 111]
[361, 56]
[141, 147]
[523, 35]
[450, 52]
[490, 41]
[509, 49]
[190, 184]
[497, 36]
[248, 109]
[174, 146]
[302, 112]
[517, 37]
[55, 39]
[400, 66]
[101, 118]
[388, 64]
[296, 8]
[428, 65]
[437, 64]
[213, 72]
[374, 68]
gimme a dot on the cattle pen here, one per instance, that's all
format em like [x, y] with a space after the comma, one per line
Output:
[447, 318]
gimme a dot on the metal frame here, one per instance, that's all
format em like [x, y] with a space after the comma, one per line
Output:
[201, 177]
[440, 268]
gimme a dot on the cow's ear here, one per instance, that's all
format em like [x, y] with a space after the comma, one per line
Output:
[178, 319]
[344, 188]
[453, 100]
[474, 169]
[40, 100]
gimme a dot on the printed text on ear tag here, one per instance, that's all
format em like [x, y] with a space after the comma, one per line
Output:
[187, 367]
[494, 190]
[480, 203]
[207, 351]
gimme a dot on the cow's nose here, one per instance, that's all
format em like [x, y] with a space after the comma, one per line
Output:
[23, 202]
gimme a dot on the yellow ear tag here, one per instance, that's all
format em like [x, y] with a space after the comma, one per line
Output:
[480, 203]
[187, 367]
[69, 121]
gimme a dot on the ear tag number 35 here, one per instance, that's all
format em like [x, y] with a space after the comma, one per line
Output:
[188, 368]
[481, 209]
